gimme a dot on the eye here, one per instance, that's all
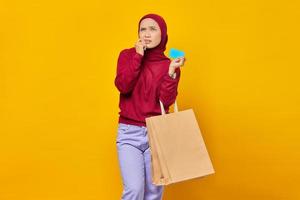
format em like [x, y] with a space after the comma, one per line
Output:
[142, 29]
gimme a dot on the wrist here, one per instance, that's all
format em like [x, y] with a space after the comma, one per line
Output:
[171, 70]
[140, 53]
[172, 73]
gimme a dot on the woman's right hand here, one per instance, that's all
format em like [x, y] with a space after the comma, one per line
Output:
[140, 46]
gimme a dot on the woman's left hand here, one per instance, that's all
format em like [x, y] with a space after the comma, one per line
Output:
[178, 62]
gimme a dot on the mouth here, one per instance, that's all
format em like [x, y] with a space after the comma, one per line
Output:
[147, 41]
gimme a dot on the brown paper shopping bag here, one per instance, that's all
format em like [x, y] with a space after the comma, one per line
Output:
[178, 151]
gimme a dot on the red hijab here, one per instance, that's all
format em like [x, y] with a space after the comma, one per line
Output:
[156, 53]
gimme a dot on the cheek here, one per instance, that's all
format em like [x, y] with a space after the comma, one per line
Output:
[157, 37]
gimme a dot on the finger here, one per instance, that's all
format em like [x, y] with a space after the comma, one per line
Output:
[139, 41]
[182, 61]
[177, 65]
[177, 60]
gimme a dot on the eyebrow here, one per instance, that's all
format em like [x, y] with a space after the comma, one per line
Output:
[149, 26]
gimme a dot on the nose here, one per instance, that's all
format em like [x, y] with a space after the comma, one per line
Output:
[147, 34]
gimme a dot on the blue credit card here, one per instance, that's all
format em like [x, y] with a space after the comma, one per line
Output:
[175, 53]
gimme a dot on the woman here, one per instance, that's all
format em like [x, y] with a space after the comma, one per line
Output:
[144, 76]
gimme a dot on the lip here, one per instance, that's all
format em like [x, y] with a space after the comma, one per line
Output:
[147, 40]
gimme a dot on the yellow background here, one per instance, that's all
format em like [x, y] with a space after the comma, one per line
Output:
[59, 105]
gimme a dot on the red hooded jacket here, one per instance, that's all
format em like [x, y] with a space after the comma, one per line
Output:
[143, 80]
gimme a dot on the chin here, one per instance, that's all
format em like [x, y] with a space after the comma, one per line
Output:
[151, 47]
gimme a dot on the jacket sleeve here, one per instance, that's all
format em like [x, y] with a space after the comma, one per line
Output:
[128, 69]
[167, 90]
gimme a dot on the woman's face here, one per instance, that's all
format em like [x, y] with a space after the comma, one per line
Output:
[150, 32]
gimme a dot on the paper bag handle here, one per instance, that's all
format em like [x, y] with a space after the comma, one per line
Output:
[163, 112]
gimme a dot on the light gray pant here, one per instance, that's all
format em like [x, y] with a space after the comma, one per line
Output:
[135, 164]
